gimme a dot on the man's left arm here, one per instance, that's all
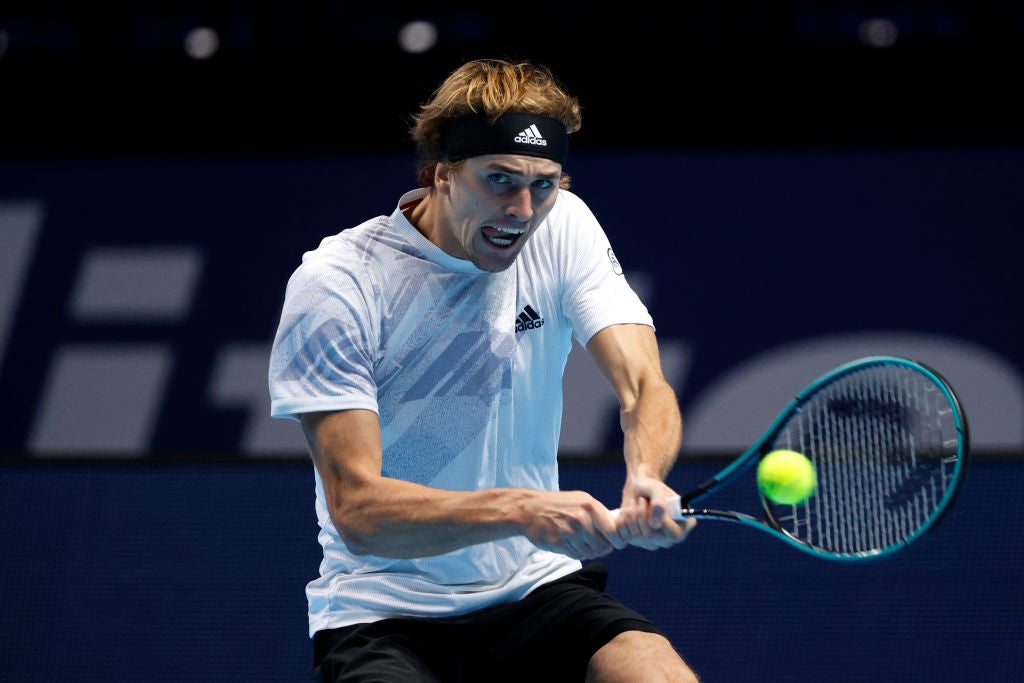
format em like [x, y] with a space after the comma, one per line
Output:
[652, 426]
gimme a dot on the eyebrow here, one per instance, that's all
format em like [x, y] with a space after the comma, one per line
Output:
[500, 166]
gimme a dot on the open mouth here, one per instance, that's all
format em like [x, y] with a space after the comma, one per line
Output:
[502, 236]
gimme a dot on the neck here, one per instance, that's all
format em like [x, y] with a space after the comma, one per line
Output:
[420, 215]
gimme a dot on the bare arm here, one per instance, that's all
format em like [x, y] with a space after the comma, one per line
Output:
[389, 517]
[652, 429]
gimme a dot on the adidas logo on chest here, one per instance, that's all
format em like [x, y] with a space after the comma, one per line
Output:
[528, 319]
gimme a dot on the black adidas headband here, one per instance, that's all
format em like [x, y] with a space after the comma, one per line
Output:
[515, 132]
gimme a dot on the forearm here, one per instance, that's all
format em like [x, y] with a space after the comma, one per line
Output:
[388, 517]
[652, 431]
[393, 518]
[652, 427]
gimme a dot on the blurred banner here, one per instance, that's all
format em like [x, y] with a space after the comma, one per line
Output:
[138, 299]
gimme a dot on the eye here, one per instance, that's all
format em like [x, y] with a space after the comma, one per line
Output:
[544, 184]
[499, 178]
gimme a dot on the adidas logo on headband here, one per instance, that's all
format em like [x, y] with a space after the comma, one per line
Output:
[513, 132]
[531, 136]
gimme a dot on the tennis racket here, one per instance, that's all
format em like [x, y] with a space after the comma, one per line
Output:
[889, 441]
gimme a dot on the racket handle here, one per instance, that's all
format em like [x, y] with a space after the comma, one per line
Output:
[675, 509]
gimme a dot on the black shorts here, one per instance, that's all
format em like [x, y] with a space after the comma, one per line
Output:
[549, 635]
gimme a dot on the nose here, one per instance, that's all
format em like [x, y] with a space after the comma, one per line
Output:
[520, 204]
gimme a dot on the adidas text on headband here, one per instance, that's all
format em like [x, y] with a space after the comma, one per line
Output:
[513, 133]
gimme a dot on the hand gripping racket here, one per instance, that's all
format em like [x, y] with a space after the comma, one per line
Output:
[889, 442]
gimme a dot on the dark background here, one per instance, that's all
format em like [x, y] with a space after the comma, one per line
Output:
[321, 77]
[190, 566]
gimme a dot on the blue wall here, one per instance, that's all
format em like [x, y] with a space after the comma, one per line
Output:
[195, 572]
[168, 535]
[771, 261]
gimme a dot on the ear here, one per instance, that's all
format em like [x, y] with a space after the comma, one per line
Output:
[442, 178]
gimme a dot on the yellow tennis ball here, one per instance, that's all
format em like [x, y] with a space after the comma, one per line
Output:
[786, 477]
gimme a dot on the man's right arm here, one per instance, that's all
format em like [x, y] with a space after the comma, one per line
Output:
[388, 517]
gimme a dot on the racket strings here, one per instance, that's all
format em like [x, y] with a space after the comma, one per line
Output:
[884, 442]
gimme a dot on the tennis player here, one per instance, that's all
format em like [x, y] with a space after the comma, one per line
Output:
[423, 353]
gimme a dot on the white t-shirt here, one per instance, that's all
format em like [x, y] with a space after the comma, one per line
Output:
[464, 369]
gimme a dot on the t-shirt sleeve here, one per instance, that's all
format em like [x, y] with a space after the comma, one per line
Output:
[596, 293]
[323, 353]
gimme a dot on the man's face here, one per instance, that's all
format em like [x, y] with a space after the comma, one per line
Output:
[493, 204]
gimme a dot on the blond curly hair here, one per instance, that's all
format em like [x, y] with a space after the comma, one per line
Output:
[490, 87]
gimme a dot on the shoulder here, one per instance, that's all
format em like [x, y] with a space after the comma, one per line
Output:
[571, 203]
[340, 256]
[570, 213]
[571, 223]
